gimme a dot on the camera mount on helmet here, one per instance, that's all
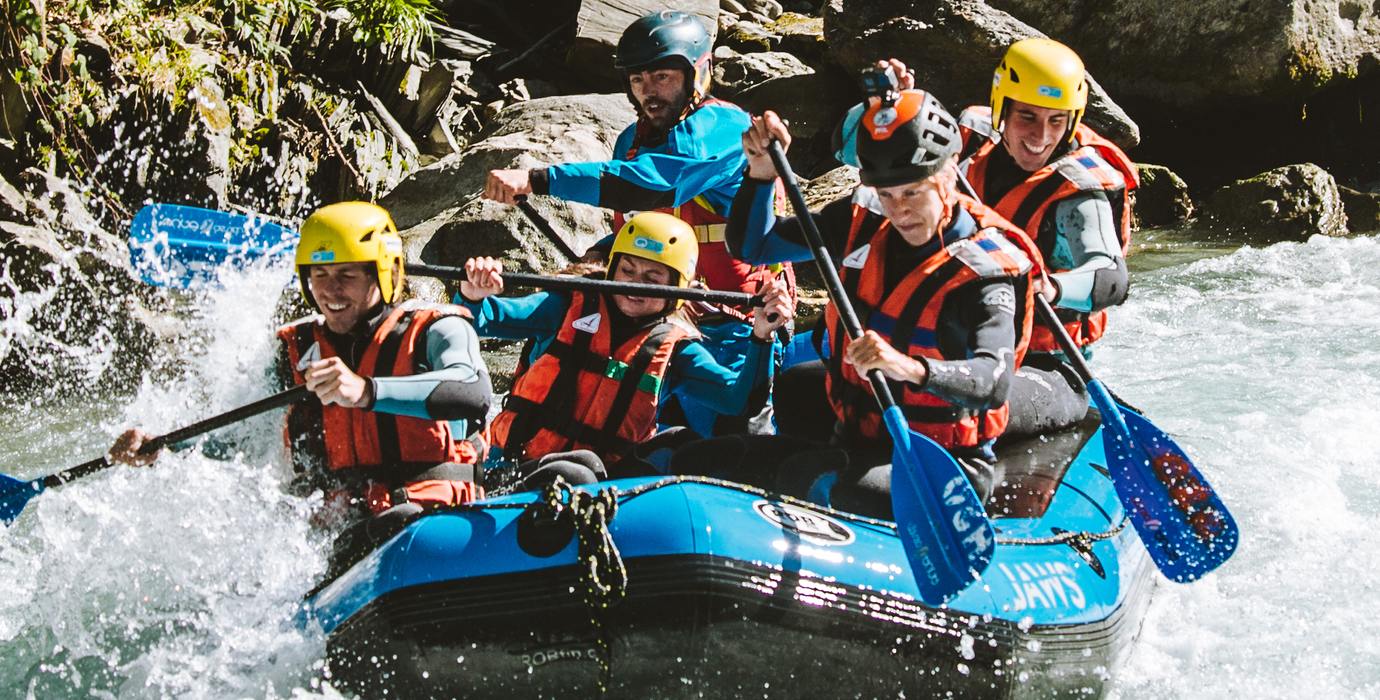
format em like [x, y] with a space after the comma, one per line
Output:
[881, 83]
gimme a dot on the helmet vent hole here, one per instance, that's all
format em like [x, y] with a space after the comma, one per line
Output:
[367, 237]
[1015, 78]
[672, 241]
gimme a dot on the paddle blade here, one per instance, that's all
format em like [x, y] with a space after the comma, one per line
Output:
[1184, 525]
[14, 495]
[180, 246]
[943, 527]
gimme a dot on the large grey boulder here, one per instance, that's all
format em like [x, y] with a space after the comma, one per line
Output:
[734, 72]
[1288, 203]
[953, 47]
[1198, 54]
[1162, 198]
[600, 23]
[446, 221]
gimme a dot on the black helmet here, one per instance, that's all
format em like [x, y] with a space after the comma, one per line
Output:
[668, 34]
[905, 141]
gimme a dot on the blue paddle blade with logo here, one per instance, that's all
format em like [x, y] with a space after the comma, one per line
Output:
[942, 525]
[173, 245]
[1184, 525]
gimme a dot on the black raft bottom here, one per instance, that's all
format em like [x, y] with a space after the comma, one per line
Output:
[707, 627]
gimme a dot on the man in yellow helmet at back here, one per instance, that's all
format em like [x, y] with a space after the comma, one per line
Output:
[398, 383]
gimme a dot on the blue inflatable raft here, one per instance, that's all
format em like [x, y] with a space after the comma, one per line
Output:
[703, 588]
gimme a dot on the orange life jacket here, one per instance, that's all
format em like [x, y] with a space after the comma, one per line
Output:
[358, 442]
[716, 266]
[584, 394]
[906, 316]
[1094, 164]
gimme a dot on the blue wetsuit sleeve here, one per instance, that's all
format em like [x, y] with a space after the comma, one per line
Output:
[695, 373]
[517, 318]
[703, 152]
[451, 384]
[1089, 245]
[757, 236]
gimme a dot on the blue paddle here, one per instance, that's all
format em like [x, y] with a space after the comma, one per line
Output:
[173, 245]
[943, 527]
[1184, 525]
[15, 494]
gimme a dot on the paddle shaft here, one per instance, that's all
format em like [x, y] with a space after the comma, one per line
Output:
[825, 264]
[545, 227]
[269, 403]
[585, 284]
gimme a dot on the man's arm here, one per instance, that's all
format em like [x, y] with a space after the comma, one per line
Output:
[982, 381]
[757, 236]
[1097, 278]
[456, 385]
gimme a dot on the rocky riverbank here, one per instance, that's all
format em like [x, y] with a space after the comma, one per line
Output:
[1255, 115]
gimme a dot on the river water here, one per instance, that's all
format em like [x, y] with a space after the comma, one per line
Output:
[182, 580]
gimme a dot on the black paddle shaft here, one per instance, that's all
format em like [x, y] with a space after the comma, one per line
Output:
[585, 284]
[545, 227]
[825, 263]
[277, 400]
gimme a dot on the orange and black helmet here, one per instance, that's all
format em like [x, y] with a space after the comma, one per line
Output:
[905, 141]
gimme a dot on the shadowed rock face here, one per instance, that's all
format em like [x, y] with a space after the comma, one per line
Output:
[1288, 203]
[953, 46]
[1196, 54]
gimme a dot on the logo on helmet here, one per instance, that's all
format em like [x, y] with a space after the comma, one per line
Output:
[883, 118]
[649, 244]
[1051, 92]
[322, 255]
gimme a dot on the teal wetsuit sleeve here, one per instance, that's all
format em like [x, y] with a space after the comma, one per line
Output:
[517, 318]
[1089, 248]
[452, 384]
[847, 152]
[695, 373]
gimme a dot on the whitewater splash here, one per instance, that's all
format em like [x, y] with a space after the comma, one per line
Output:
[182, 580]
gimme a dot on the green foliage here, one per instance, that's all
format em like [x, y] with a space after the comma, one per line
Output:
[223, 61]
[396, 25]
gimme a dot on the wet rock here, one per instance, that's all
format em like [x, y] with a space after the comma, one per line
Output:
[771, 9]
[600, 23]
[1200, 54]
[444, 219]
[737, 72]
[1162, 198]
[1288, 203]
[813, 104]
[801, 35]
[12, 204]
[750, 37]
[835, 184]
[732, 7]
[1362, 209]
[953, 46]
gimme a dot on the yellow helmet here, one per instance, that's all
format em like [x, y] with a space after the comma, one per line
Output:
[1044, 73]
[661, 238]
[351, 232]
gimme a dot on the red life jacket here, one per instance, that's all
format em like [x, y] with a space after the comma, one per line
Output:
[361, 443]
[716, 266]
[1094, 164]
[906, 316]
[584, 394]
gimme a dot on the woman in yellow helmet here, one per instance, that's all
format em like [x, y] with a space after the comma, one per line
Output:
[607, 362]
[394, 379]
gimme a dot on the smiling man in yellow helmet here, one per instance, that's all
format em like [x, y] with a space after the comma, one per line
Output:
[392, 377]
